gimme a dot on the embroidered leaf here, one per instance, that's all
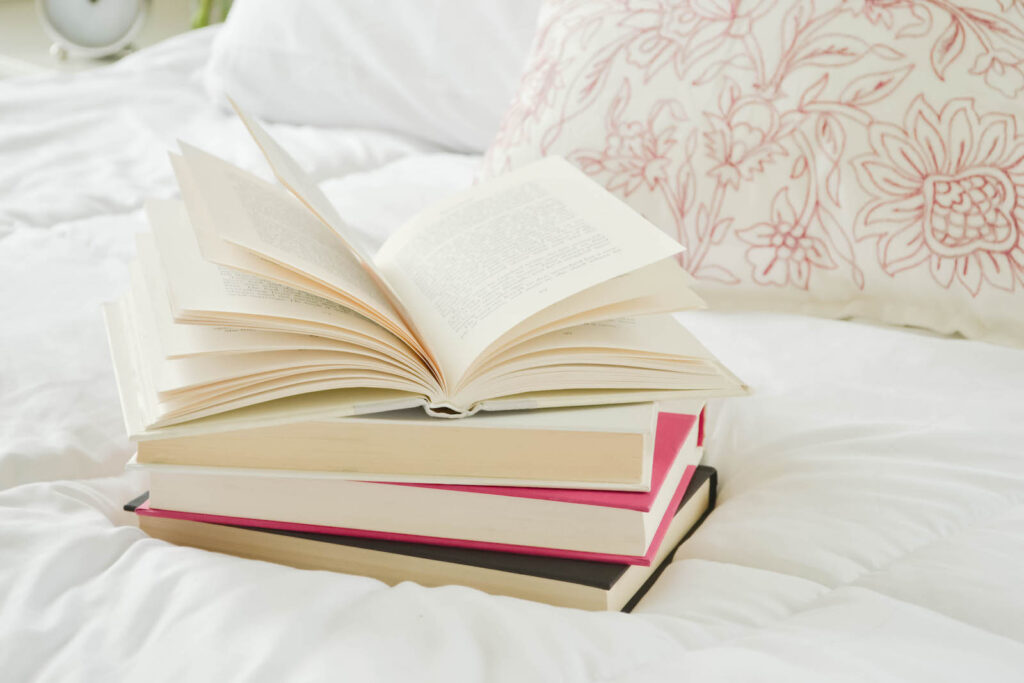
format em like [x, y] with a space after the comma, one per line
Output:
[716, 273]
[873, 87]
[691, 144]
[830, 136]
[840, 242]
[886, 52]
[618, 105]
[720, 230]
[660, 60]
[686, 187]
[717, 136]
[997, 24]
[814, 92]
[589, 164]
[948, 47]
[832, 183]
[832, 50]
[799, 168]
[701, 225]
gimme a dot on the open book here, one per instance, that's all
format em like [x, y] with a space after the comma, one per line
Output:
[253, 302]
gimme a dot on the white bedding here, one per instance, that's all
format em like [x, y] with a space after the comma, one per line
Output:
[871, 516]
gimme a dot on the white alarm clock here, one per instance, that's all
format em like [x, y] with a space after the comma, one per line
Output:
[92, 28]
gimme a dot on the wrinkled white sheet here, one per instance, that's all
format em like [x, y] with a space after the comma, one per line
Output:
[870, 524]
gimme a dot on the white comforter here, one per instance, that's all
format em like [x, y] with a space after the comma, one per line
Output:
[870, 524]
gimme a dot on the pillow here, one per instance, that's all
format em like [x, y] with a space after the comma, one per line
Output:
[847, 158]
[442, 71]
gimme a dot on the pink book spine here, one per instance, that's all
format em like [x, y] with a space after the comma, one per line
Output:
[643, 560]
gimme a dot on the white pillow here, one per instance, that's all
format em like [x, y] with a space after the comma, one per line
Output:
[442, 71]
[848, 158]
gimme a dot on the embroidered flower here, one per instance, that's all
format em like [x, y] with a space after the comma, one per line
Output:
[635, 153]
[781, 252]
[742, 141]
[949, 191]
[1002, 70]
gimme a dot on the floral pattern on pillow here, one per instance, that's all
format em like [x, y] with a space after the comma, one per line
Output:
[948, 190]
[845, 157]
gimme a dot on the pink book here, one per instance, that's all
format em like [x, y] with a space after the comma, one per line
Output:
[676, 453]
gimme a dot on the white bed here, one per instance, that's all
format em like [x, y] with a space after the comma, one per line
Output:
[871, 515]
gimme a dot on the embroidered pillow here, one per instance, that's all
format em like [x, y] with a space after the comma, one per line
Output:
[846, 158]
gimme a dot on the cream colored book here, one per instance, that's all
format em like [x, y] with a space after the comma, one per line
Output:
[596, 447]
[607, 522]
[253, 302]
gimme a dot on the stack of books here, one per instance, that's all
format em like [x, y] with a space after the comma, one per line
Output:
[576, 506]
[490, 398]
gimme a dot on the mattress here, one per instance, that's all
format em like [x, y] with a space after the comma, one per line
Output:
[871, 515]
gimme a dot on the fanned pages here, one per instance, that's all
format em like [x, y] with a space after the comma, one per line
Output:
[252, 303]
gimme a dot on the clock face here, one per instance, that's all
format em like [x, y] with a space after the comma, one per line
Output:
[93, 24]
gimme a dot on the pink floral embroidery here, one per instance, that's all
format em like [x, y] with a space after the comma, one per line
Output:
[1002, 70]
[949, 189]
[998, 38]
[781, 251]
[701, 113]
[742, 141]
[876, 11]
[636, 153]
[667, 32]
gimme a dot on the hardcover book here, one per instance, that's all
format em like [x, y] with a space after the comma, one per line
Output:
[253, 302]
[557, 581]
[609, 525]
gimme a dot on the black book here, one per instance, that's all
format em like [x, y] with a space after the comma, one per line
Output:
[573, 583]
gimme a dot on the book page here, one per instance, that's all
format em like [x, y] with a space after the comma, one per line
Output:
[654, 335]
[171, 340]
[229, 296]
[178, 340]
[650, 352]
[474, 267]
[661, 287]
[303, 188]
[216, 249]
[264, 219]
[142, 413]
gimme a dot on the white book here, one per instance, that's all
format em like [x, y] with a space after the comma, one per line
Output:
[599, 447]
